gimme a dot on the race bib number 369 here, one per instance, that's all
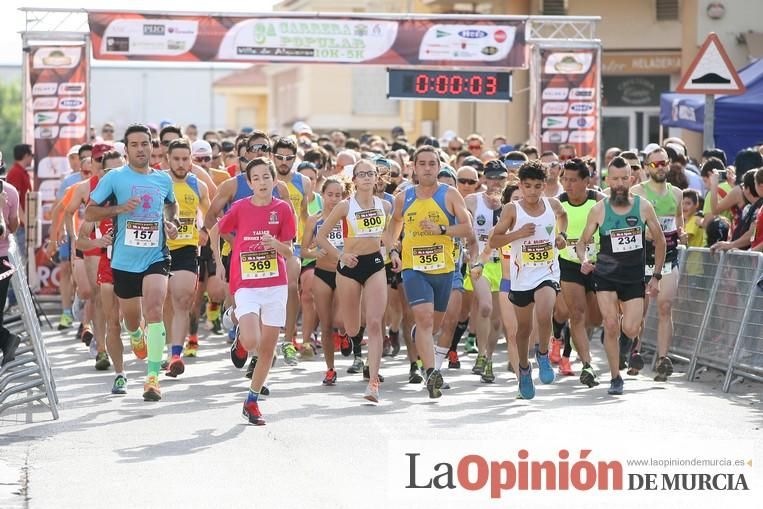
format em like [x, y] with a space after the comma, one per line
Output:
[142, 234]
[626, 239]
[259, 264]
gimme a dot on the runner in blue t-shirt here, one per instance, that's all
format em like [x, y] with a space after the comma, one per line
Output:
[143, 202]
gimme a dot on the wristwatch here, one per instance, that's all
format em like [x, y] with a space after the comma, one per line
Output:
[563, 234]
[657, 276]
[443, 229]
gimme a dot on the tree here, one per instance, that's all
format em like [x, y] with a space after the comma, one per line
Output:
[10, 119]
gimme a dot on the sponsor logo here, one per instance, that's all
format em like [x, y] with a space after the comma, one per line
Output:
[153, 29]
[489, 50]
[273, 218]
[72, 131]
[45, 117]
[554, 122]
[176, 45]
[176, 30]
[555, 108]
[582, 136]
[441, 33]
[71, 103]
[472, 34]
[586, 122]
[45, 88]
[72, 117]
[118, 44]
[555, 94]
[555, 136]
[46, 133]
[582, 108]
[45, 103]
[631, 220]
[76, 88]
[500, 36]
[582, 93]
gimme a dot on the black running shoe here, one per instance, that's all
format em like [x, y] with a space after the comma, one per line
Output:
[434, 384]
[367, 374]
[250, 368]
[345, 346]
[664, 369]
[238, 354]
[414, 377]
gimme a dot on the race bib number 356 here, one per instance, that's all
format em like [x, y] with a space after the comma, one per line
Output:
[259, 265]
[142, 234]
[626, 239]
[428, 258]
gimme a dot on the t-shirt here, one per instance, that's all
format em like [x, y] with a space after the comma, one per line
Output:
[253, 265]
[68, 181]
[695, 232]
[723, 189]
[757, 234]
[139, 239]
[18, 177]
[218, 176]
[10, 211]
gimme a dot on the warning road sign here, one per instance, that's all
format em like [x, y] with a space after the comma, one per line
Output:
[711, 72]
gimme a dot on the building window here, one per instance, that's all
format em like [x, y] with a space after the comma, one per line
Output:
[667, 10]
[554, 7]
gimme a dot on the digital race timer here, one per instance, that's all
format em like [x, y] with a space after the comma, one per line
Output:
[458, 85]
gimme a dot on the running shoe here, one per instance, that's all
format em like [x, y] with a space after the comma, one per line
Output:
[176, 367]
[232, 334]
[526, 386]
[487, 375]
[93, 349]
[479, 364]
[367, 374]
[565, 369]
[588, 377]
[290, 354]
[555, 355]
[664, 369]
[191, 349]
[345, 345]
[434, 384]
[217, 326]
[336, 337]
[120, 385]
[636, 363]
[308, 351]
[265, 390]
[250, 368]
[87, 335]
[65, 322]
[394, 338]
[616, 386]
[9, 348]
[102, 362]
[414, 377]
[330, 378]
[357, 366]
[252, 413]
[387, 347]
[372, 391]
[453, 362]
[151, 390]
[545, 371]
[626, 345]
[470, 346]
[165, 364]
[238, 354]
[139, 347]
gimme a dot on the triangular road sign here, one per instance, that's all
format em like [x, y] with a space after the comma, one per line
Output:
[711, 72]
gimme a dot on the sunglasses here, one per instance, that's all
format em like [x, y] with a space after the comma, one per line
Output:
[394, 175]
[364, 174]
[259, 147]
[108, 130]
[166, 143]
[203, 159]
[475, 147]
[285, 158]
[467, 182]
[659, 164]
[566, 158]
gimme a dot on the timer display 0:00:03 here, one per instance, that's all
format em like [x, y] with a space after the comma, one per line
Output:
[457, 85]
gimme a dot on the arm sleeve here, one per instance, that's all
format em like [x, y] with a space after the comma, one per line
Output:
[289, 226]
[103, 190]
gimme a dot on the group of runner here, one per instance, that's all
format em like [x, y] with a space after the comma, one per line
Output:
[370, 246]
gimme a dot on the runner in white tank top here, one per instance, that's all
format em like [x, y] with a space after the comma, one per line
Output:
[534, 258]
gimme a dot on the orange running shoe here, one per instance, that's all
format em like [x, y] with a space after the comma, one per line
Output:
[564, 367]
[555, 355]
[139, 347]
[151, 390]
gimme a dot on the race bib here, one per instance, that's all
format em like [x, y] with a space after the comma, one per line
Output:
[590, 249]
[667, 223]
[185, 230]
[666, 269]
[482, 242]
[336, 236]
[428, 258]
[537, 255]
[142, 234]
[626, 239]
[259, 265]
[506, 251]
[370, 221]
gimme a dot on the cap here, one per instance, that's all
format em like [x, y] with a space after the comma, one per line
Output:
[495, 168]
[307, 165]
[120, 147]
[446, 171]
[201, 148]
[383, 161]
[73, 151]
[101, 148]
[513, 164]
[505, 149]
[474, 163]
[300, 127]
[650, 148]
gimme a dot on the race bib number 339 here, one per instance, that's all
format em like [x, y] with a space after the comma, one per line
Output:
[142, 234]
[537, 255]
[259, 265]
[428, 258]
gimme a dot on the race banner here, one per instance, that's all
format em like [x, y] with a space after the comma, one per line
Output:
[566, 106]
[355, 39]
[58, 78]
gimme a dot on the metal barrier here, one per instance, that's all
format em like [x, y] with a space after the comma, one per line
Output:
[30, 374]
[717, 314]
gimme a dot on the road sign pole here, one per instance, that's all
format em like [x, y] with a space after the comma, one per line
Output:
[709, 131]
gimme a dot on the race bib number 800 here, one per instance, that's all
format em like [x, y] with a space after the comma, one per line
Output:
[370, 221]
[142, 234]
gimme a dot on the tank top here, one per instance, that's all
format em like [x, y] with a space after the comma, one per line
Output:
[337, 234]
[296, 195]
[577, 218]
[534, 259]
[621, 250]
[314, 207]
[93, 181]
[105, 227]
[188, 196]
[484, 220]
[365, 223]
[421, 250]
[665, 207]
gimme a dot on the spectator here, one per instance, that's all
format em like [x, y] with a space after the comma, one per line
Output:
[107, 132]
[18, 177]
[9, 221]
[192, 132]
